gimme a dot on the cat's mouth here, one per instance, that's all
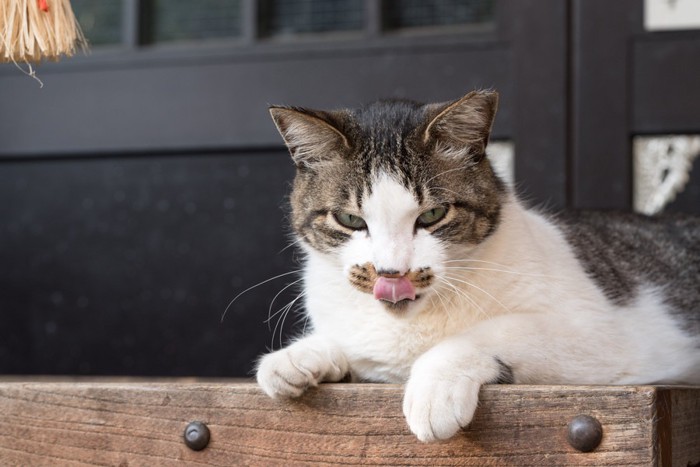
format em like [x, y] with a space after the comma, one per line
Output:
[394, 289]
[396, 292]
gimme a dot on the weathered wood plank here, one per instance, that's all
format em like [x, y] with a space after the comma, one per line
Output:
[685, 427]
[121, 423]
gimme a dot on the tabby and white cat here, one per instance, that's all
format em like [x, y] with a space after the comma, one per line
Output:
[423, 268]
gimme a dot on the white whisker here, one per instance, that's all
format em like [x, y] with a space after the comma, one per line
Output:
[479, 289]
[447, 190]
[464, 295]
[469, 268]
[475, 261]
[462, 167]
[254, 286]
[269, 310]
[280, 321]
[271, 316]
[445, 308]
[291, 244]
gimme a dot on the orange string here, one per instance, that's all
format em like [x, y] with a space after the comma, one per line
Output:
[43, 6]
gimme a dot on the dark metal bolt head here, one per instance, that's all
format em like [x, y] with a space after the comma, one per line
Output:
[584, 433]
[197, 436]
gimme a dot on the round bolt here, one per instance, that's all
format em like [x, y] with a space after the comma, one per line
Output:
[196, 436]
[584, 433]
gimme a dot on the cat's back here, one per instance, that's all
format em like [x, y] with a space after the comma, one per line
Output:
[624, 252]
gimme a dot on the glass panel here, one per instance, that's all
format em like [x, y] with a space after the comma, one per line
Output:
[290, 17]
[181, 20]
[100, 20]
[400, 14]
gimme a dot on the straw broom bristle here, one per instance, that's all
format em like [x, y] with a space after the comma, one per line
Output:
[30, 33]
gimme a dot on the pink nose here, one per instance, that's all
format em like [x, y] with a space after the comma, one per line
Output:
[394, 289]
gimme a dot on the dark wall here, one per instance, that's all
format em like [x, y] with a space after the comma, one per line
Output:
[125, 265]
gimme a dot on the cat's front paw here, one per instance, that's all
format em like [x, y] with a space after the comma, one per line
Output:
[439, 401]
[291, 371]
[283, 374]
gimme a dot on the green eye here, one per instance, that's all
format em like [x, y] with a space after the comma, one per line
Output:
[431, 216]
[350, 221]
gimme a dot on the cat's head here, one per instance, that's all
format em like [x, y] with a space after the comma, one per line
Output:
[394, 191]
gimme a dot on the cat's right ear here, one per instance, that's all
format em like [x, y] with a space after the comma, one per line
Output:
[310, 136]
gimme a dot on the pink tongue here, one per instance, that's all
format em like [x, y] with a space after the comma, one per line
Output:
[394, 289]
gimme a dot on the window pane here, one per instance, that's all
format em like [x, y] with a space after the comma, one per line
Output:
[178, 20]
[100, 20]
[399, 14]
[289, 17]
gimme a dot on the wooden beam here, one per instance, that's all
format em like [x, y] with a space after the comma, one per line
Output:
[142, 423]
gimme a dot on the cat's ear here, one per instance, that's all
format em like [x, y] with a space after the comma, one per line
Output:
[461, 128]
[311, 136]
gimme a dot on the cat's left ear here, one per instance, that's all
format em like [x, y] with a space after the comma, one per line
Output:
[462, 128]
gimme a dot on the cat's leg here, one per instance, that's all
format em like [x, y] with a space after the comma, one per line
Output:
[442, 392]
[443, 388]
[305, 363]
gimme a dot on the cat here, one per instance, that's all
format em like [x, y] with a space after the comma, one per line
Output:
[423, 267]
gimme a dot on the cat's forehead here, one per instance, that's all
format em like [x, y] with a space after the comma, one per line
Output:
[389, 117]
[383, 143]
[388, 198]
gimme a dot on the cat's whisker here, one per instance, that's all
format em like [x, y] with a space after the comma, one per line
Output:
[474, 260]
[464, 295]
[440, 297]
[284, 317]
[498, 265]
[269, 310]
[444, 301]
[283, 312]
[445, 307]
[469, 268]
[291, 244]
[276, 313]
[461, 167]
[445, 189]
[254, 286]
[481, 290]
[303, 293]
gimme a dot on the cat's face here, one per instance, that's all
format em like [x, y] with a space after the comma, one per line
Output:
[395, 191]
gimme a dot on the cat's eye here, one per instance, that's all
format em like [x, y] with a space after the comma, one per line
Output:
[350, 221]
[431, 216]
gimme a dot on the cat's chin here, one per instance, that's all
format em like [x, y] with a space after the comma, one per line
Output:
[402, 307]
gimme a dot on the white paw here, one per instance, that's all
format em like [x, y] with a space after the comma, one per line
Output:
[438, 409]
[291, 371]
[442, 392]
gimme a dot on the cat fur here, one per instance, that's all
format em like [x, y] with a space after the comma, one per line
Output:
[505, 293]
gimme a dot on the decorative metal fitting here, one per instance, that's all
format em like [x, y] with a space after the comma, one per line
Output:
[584, 433]
[197, 436]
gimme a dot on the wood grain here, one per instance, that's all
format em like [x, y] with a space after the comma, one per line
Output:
[140, 423]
